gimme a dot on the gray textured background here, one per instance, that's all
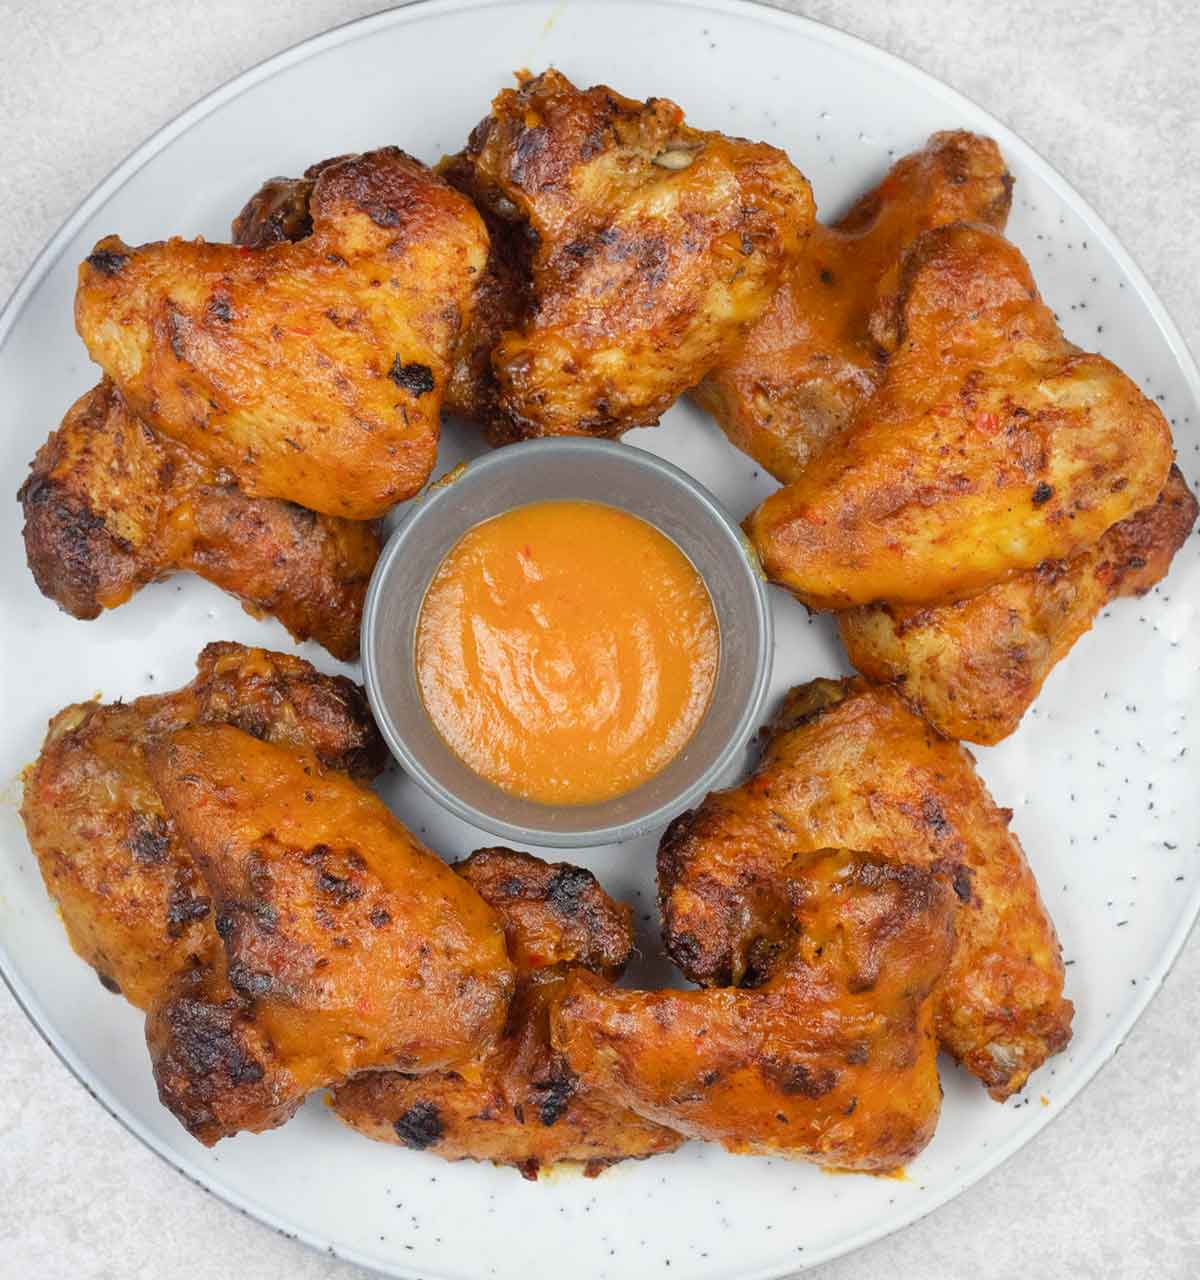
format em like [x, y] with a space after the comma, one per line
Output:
[1109, 92]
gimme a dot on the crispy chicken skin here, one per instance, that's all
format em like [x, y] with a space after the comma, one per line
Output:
[811, 361]
[312, 370]
[992, 444]
[520, 1104]
[973, 668]
[504, 302]
[281, 209]
[217, 1069]
[130, 897]
[846, 764]
[831, 1058]
[347, 944]
[110, 505]
[652, 247]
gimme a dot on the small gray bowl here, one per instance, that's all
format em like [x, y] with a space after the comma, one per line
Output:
[597, 471]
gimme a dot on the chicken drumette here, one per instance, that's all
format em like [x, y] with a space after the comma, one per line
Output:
[630, 253]
[129, 894]
[847, 765]
[831, 1057]
[812, 360]
[110, 505]
[973, 668]
[521, 1104]
[310, 370]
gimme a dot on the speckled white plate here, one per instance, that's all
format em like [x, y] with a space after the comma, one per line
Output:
[1101, 775]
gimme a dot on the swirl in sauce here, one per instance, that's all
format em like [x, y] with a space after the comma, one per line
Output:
[566, 651]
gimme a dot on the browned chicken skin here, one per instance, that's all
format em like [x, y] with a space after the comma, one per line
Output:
[992, 444]
[110, 505]
[651, 247]
[521, 1104]
[847, 765]
[133, 904]
[281, 209]
[347, 945]
[810, 362]
[973, 668]
[312, 370]
[504, 302]
[831, 1057]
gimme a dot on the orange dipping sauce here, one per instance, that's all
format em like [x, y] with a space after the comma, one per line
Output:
[566, 651]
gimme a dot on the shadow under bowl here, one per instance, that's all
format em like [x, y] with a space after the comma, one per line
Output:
[618, 475]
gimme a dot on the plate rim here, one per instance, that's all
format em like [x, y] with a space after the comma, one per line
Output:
[754, 11]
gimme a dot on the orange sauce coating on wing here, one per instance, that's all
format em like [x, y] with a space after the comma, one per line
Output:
[566, 651]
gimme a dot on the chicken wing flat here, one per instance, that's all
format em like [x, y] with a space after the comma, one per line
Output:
[811, 361]
[520, 1104]
[992, 444]
[847, 765]
[110, 505]
[133, 904]
[652, 246]
[832, 1058]
[353, 946]
[312, 370]
[973, 668]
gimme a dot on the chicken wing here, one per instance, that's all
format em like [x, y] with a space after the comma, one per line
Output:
[128, 893]
[651, 245]
[504, 303]
[811, 361]
[110, 506]
[312, 370]
[520, 1104]
[991, 445]
[832, 1058]
[846, 764]
[973, 668]
[347, 945]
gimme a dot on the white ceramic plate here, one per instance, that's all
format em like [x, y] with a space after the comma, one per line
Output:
[1103, 795]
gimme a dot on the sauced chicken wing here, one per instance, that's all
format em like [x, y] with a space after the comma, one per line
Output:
[811, 361]
[520, 1104]
[311, 370]
[991, 445]
[110, 506]
[846, 764]
[133, 904]
[652, 246]
[347, 945]
[973, 668]
[832, 1058]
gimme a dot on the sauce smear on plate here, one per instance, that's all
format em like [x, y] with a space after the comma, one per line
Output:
[566, 651]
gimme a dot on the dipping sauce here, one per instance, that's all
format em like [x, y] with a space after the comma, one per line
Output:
[566, 651]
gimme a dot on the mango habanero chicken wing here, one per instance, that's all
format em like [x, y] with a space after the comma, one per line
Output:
[973, 668]
[346, 945]
[310, 370]
[111, 505]
[133, 903]
[811, 360]
[991, 445]
[630, 253]
[831, 1057]
[846, 764]
[520, 1104]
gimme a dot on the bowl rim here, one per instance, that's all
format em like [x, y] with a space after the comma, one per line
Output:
[443, 490]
